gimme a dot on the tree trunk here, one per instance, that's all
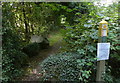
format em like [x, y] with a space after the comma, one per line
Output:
[26, 24]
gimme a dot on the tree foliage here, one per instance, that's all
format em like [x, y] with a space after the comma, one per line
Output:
[13, 59]
[80, 21]
[83, 38]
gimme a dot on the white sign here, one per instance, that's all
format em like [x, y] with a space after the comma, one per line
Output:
[104, 32]
[103, 50]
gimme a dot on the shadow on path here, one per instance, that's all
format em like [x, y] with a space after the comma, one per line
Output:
[34, 68]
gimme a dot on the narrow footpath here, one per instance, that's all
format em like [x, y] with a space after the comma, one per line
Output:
[34, 65]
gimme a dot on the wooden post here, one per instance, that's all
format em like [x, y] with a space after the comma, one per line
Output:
[103, 30]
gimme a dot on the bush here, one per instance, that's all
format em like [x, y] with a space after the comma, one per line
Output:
[114, 39]
[67, 67]
[13, 59]
[84, 39]
[13, 62]
[33, 49]
[44, 44]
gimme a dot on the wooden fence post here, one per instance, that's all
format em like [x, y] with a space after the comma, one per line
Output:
[103, 30]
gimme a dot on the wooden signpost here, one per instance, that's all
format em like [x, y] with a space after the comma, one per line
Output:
[102, 50]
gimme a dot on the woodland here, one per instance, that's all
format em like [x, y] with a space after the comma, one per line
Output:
[57, 41]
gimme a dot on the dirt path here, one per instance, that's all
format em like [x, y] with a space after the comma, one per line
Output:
[34, 68]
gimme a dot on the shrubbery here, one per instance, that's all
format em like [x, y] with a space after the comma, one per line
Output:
[13, 59]
[13, 62]
[83, 39]
[33, 49]
[114, 39]
[68, 67]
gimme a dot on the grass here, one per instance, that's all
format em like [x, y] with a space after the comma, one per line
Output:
[55, 37]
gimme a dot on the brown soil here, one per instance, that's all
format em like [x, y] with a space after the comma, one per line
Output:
[34, 68]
